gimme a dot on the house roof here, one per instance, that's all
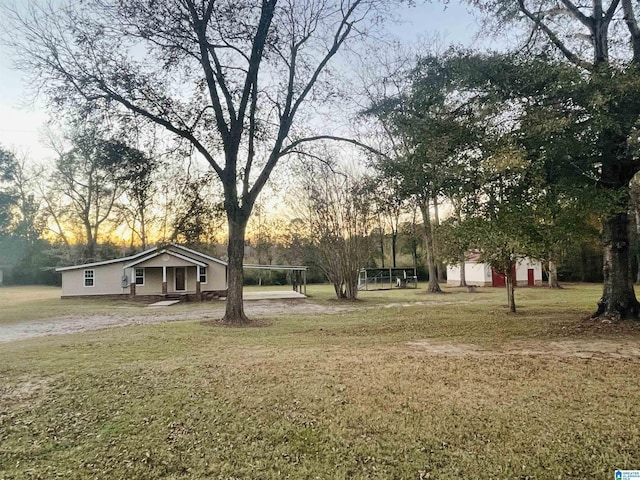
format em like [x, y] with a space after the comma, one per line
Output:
[473, 257]
[151, 252]
[107, 262]
[162, 252]
[203, 255]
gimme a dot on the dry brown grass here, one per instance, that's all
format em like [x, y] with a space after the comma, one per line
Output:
[451, 390]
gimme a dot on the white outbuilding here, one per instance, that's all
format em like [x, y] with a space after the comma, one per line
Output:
[528, 272]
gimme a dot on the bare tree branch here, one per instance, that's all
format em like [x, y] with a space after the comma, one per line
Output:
[571, 56]
[293, 145]
[632, 24]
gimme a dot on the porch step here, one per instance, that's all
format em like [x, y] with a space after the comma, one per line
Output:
[164, 303]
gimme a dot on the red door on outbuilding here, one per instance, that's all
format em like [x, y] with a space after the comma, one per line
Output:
[499, 280]
[530, 278]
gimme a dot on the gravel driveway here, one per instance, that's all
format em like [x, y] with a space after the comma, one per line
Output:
[74, 324]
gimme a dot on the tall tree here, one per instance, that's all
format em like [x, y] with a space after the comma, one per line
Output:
[340, 221]
[8, 193]
[137, 175]
[504, 227]
[198, 213]
[432, 120]
[602, 39]
[89, 178]
[10, 248]
[21, 222]
[388, 204]
[228, 77]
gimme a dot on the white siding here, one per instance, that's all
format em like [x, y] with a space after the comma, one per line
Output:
[522, 271]
[152, 282]
[216, 277]
[106, 281]
[480, 273]
[165, 259]
[475, 274]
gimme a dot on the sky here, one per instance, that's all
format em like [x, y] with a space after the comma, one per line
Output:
[22, 119]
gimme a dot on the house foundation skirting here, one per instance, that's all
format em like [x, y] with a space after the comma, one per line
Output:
[520, 283]
[207, 295]
[456, 283]
[525, 283]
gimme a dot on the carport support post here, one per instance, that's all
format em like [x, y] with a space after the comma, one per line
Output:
[304, 281]
[164, 280]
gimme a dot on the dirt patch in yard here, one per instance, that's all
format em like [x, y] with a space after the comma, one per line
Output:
[74, 324]
[584, 348]
[423, 303]
[25, 389]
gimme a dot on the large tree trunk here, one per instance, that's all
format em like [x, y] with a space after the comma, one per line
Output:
[381, 245]
[143, 229]
[434, 286]
[618, 298]
[511, 298]
[553, 274]
[636, 211]
[90, 247]
[394, 241]
[463, 273]
[436, 221]
[234, 312]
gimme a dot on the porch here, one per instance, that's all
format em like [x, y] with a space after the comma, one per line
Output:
[169, 274]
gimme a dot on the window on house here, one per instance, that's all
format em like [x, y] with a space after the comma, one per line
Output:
[139, 276]
[89, 278]
[203, 274]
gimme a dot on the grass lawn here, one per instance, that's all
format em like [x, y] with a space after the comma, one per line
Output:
[405, 385]
[37, 302]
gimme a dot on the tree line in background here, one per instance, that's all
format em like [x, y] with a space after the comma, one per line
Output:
[532, 152]
[98, 199]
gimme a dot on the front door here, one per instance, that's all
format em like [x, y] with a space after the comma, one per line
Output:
[181, 278]
[531, 280]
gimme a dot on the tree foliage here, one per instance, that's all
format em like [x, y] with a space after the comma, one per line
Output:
[602, 41]
[8, 194]
[437, 132]
[200, 216]
[89, 177]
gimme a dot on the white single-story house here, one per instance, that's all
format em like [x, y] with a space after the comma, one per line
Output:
[528, 272]
[159, 271]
